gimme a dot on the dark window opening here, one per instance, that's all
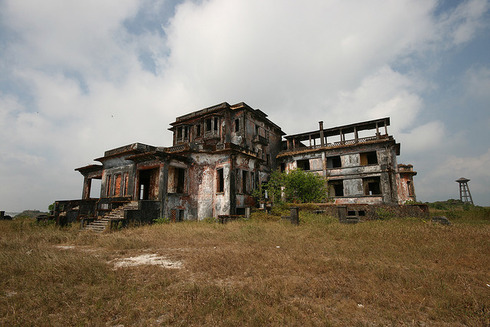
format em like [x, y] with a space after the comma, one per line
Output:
[369, 158]
[361, 213]
[410, 188]
[198, 130]
[351, 213]
[108, 186]
[303, 164]
[148, 184]
[283, 166]
[176, 215]
[372, 186]
[237, 125]
[220, 181]
[256, 129]
[337, 188]
[186, 132]
[176, 180]
[179, 132]
[334, 162]
[180, 180]
[216, 123]
[240, 211]
[244, 181]
[208, 124]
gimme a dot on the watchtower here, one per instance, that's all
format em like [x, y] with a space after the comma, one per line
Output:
[464, 190]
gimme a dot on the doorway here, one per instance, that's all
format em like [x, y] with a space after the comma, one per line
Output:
[148, 184]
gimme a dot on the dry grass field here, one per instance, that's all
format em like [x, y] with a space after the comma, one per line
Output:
[262, 272]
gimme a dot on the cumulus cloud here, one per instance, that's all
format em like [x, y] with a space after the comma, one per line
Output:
[81, 77]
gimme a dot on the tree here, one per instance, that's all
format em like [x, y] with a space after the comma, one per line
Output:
[297, 186]
[304, 187]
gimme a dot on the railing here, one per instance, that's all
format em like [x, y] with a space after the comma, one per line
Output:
[260, 139]
[177, 148]
[339, 143]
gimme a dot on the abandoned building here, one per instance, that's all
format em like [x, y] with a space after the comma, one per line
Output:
[358, 160]
[222, 153]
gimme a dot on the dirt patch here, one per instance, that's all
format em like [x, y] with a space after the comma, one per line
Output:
[147, 259]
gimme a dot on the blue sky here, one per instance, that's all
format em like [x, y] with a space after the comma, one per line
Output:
[80, 77]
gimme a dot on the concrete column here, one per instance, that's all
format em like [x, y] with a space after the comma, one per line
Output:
[162, 187]
[322, 135]
[232, 179]
[87, 184]
[324, 164]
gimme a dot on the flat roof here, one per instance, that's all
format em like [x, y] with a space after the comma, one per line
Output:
[365, 125]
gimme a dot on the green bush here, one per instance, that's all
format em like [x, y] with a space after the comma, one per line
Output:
[296, 186]
[163, 220]
[304, 187]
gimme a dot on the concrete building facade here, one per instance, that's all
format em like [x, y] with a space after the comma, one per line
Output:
[222, 153]
[358, 161]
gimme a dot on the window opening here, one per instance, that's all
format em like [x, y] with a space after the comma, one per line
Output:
[216, 121]
[220, 181]
[126, 183]
[117, 188]
[410, 188]
[303, 164]
[369, 158]
[208, 124]
[95, 187]
[240, 211]
[372, 186]
[198, 130]
[108, 186]
[244, 181]
[334, 162]
[176, 180]
[237, 125]
[337, 188]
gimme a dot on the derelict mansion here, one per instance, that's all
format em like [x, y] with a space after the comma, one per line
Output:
[222, 153]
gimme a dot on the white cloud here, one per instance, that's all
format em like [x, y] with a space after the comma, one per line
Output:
[460, 25]
[477, 83]
[89, 87]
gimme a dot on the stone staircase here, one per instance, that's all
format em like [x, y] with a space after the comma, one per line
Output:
[100, 225]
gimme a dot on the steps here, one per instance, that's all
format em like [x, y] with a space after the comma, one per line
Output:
[100, 225]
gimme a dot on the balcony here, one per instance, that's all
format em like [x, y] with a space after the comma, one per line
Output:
[260, 139]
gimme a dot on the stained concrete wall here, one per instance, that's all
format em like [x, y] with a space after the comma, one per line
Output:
[352, 171]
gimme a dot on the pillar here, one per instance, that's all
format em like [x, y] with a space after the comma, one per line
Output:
[87, 184]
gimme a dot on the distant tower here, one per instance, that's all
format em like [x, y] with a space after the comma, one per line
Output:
[464, 190]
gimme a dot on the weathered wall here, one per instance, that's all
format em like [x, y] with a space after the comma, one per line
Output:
[353, 171]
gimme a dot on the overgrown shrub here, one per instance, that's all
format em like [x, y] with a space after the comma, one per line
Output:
[296, 186]
[163, 220]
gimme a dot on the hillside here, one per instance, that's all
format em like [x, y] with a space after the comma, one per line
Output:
[261, 272]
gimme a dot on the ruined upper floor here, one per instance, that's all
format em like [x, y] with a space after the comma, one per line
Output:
[341, 136]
